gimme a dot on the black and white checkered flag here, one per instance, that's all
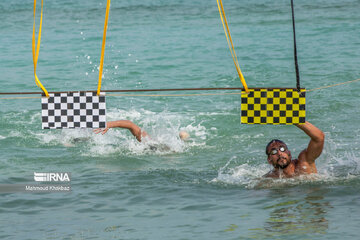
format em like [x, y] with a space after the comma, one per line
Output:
[73, 110]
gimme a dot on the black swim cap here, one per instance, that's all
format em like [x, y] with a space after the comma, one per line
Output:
[272, 141]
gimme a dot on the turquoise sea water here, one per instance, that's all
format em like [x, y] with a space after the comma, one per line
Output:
[209, 187]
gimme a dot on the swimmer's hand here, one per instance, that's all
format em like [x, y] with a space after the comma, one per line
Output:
[101, 130]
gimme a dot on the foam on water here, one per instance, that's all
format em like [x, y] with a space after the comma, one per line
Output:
[245, 175]
[338, 160]
[163, 129]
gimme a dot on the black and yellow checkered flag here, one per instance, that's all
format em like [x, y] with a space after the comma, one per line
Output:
[273, 106]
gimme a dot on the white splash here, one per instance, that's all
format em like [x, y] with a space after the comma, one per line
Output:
[244, 174]
[163, 129]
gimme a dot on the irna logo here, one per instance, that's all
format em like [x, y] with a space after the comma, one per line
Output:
[52, 177]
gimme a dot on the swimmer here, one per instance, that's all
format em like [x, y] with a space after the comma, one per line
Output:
[138, 133]
[279, 156]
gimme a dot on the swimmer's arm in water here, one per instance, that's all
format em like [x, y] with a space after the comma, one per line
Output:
[316, 143]
[134, 129]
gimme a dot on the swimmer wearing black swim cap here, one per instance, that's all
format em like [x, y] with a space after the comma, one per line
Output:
[279, 156]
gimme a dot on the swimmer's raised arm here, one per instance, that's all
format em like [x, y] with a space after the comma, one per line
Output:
[134, 129]
[316, 143]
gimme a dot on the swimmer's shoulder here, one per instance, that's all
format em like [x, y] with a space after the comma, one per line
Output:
[302, 166]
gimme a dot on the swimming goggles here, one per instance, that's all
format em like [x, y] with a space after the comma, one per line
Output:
[276, 150]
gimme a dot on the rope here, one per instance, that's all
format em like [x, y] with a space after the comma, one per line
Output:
[128, 90]
[172, 95]
[295, 51]
[333, 85]
[230, 43]
[103, 46]
[35, 53]
[18, 98]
